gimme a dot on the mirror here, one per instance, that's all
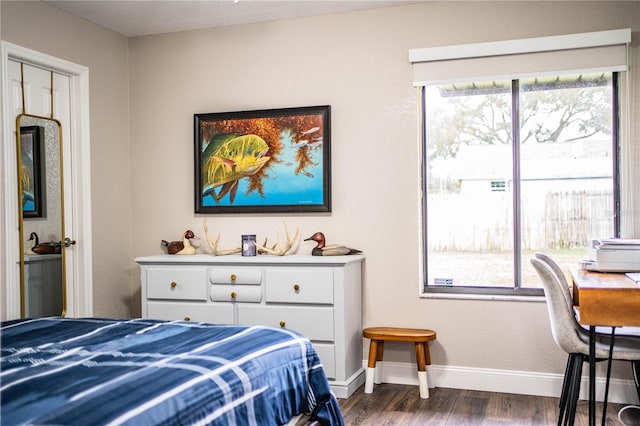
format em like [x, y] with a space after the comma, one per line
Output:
[41, 216]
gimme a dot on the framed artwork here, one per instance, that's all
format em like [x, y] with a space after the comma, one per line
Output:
[31, 171]
[264, 161]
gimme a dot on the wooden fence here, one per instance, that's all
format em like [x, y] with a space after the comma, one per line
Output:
[551, 220]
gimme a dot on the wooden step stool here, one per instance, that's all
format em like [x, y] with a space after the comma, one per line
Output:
[379, 335]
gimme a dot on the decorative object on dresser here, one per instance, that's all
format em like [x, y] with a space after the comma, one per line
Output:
[321, 249]
[213, 244]
[181, 247]
[319, 297]
[249, 245]
[263, 161]
[279, 249]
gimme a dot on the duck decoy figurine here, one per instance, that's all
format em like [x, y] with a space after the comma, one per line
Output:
[321, 249]
[181, 247]
[43, 248]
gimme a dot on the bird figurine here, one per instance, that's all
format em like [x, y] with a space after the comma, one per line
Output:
[181, 247]
[321, 249]
[43, 248]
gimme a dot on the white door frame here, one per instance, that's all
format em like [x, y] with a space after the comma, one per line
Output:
[80, 290]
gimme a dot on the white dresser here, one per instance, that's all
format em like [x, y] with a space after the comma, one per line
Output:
[320, 297]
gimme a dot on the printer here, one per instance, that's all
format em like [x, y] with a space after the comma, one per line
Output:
[613, 255]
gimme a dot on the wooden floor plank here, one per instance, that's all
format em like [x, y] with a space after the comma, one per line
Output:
[401, 405]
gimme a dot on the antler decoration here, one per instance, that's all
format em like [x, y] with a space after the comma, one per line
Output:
[283, 250]
[214, 244]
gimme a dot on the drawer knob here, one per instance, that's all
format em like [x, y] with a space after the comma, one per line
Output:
[173, 284]
[187, 319]
[296, 288]
[233, 294]
[282, 324]
[233, 277]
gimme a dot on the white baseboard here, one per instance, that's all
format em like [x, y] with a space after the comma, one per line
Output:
[507, 381]
[346, 388]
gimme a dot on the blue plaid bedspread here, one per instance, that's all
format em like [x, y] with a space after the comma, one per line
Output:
[90, 371]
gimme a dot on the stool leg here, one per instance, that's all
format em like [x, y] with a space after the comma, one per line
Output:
[424, 385]
[379, 354]
[422, 353]
[371, 366]
[368, 381]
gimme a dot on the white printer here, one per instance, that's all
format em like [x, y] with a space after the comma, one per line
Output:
[614, 255]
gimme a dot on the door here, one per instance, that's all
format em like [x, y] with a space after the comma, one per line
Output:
[40, 72]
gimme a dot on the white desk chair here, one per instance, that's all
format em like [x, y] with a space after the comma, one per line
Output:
[570, 337]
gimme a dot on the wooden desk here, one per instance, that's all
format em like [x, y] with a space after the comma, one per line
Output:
[606, 299]
[603, 299]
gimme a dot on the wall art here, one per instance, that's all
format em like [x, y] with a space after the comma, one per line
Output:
[263, 161]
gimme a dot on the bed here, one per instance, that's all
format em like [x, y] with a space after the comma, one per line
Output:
[80, 371]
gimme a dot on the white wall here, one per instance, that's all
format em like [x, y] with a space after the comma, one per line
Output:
[357, 63]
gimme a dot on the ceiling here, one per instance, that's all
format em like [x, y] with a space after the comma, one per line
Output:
[142, 17]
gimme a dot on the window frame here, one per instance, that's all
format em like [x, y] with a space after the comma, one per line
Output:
[516, 290]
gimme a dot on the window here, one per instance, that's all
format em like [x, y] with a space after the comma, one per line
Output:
[511, 167]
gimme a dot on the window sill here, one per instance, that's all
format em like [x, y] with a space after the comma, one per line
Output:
[464, 296]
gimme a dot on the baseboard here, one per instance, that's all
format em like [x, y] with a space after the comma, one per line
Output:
[507, 381]
[346, 388]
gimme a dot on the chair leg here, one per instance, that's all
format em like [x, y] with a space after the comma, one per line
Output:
[574, 390]
[606, 389]
[566, 384]
[635, 366]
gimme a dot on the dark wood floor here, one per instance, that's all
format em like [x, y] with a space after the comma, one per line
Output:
[401, 405]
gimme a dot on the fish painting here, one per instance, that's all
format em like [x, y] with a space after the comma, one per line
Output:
[311, 130]
[228, 158]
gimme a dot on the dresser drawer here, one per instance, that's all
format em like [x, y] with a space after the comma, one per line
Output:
[217, 314]
[236, 276]
[236, 293]
[299, 286]
[327, 354]
[315, 323]
[177, 284]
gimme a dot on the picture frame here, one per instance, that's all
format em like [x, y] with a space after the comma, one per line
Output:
[32, 200]
[263, 161]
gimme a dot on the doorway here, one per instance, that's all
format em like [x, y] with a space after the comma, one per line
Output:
[71, 108]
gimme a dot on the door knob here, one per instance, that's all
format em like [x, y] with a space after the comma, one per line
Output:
[69, 242]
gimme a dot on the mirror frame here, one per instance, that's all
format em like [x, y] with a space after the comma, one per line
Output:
[21, 214]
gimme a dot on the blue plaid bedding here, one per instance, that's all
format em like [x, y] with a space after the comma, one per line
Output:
[90, 371]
